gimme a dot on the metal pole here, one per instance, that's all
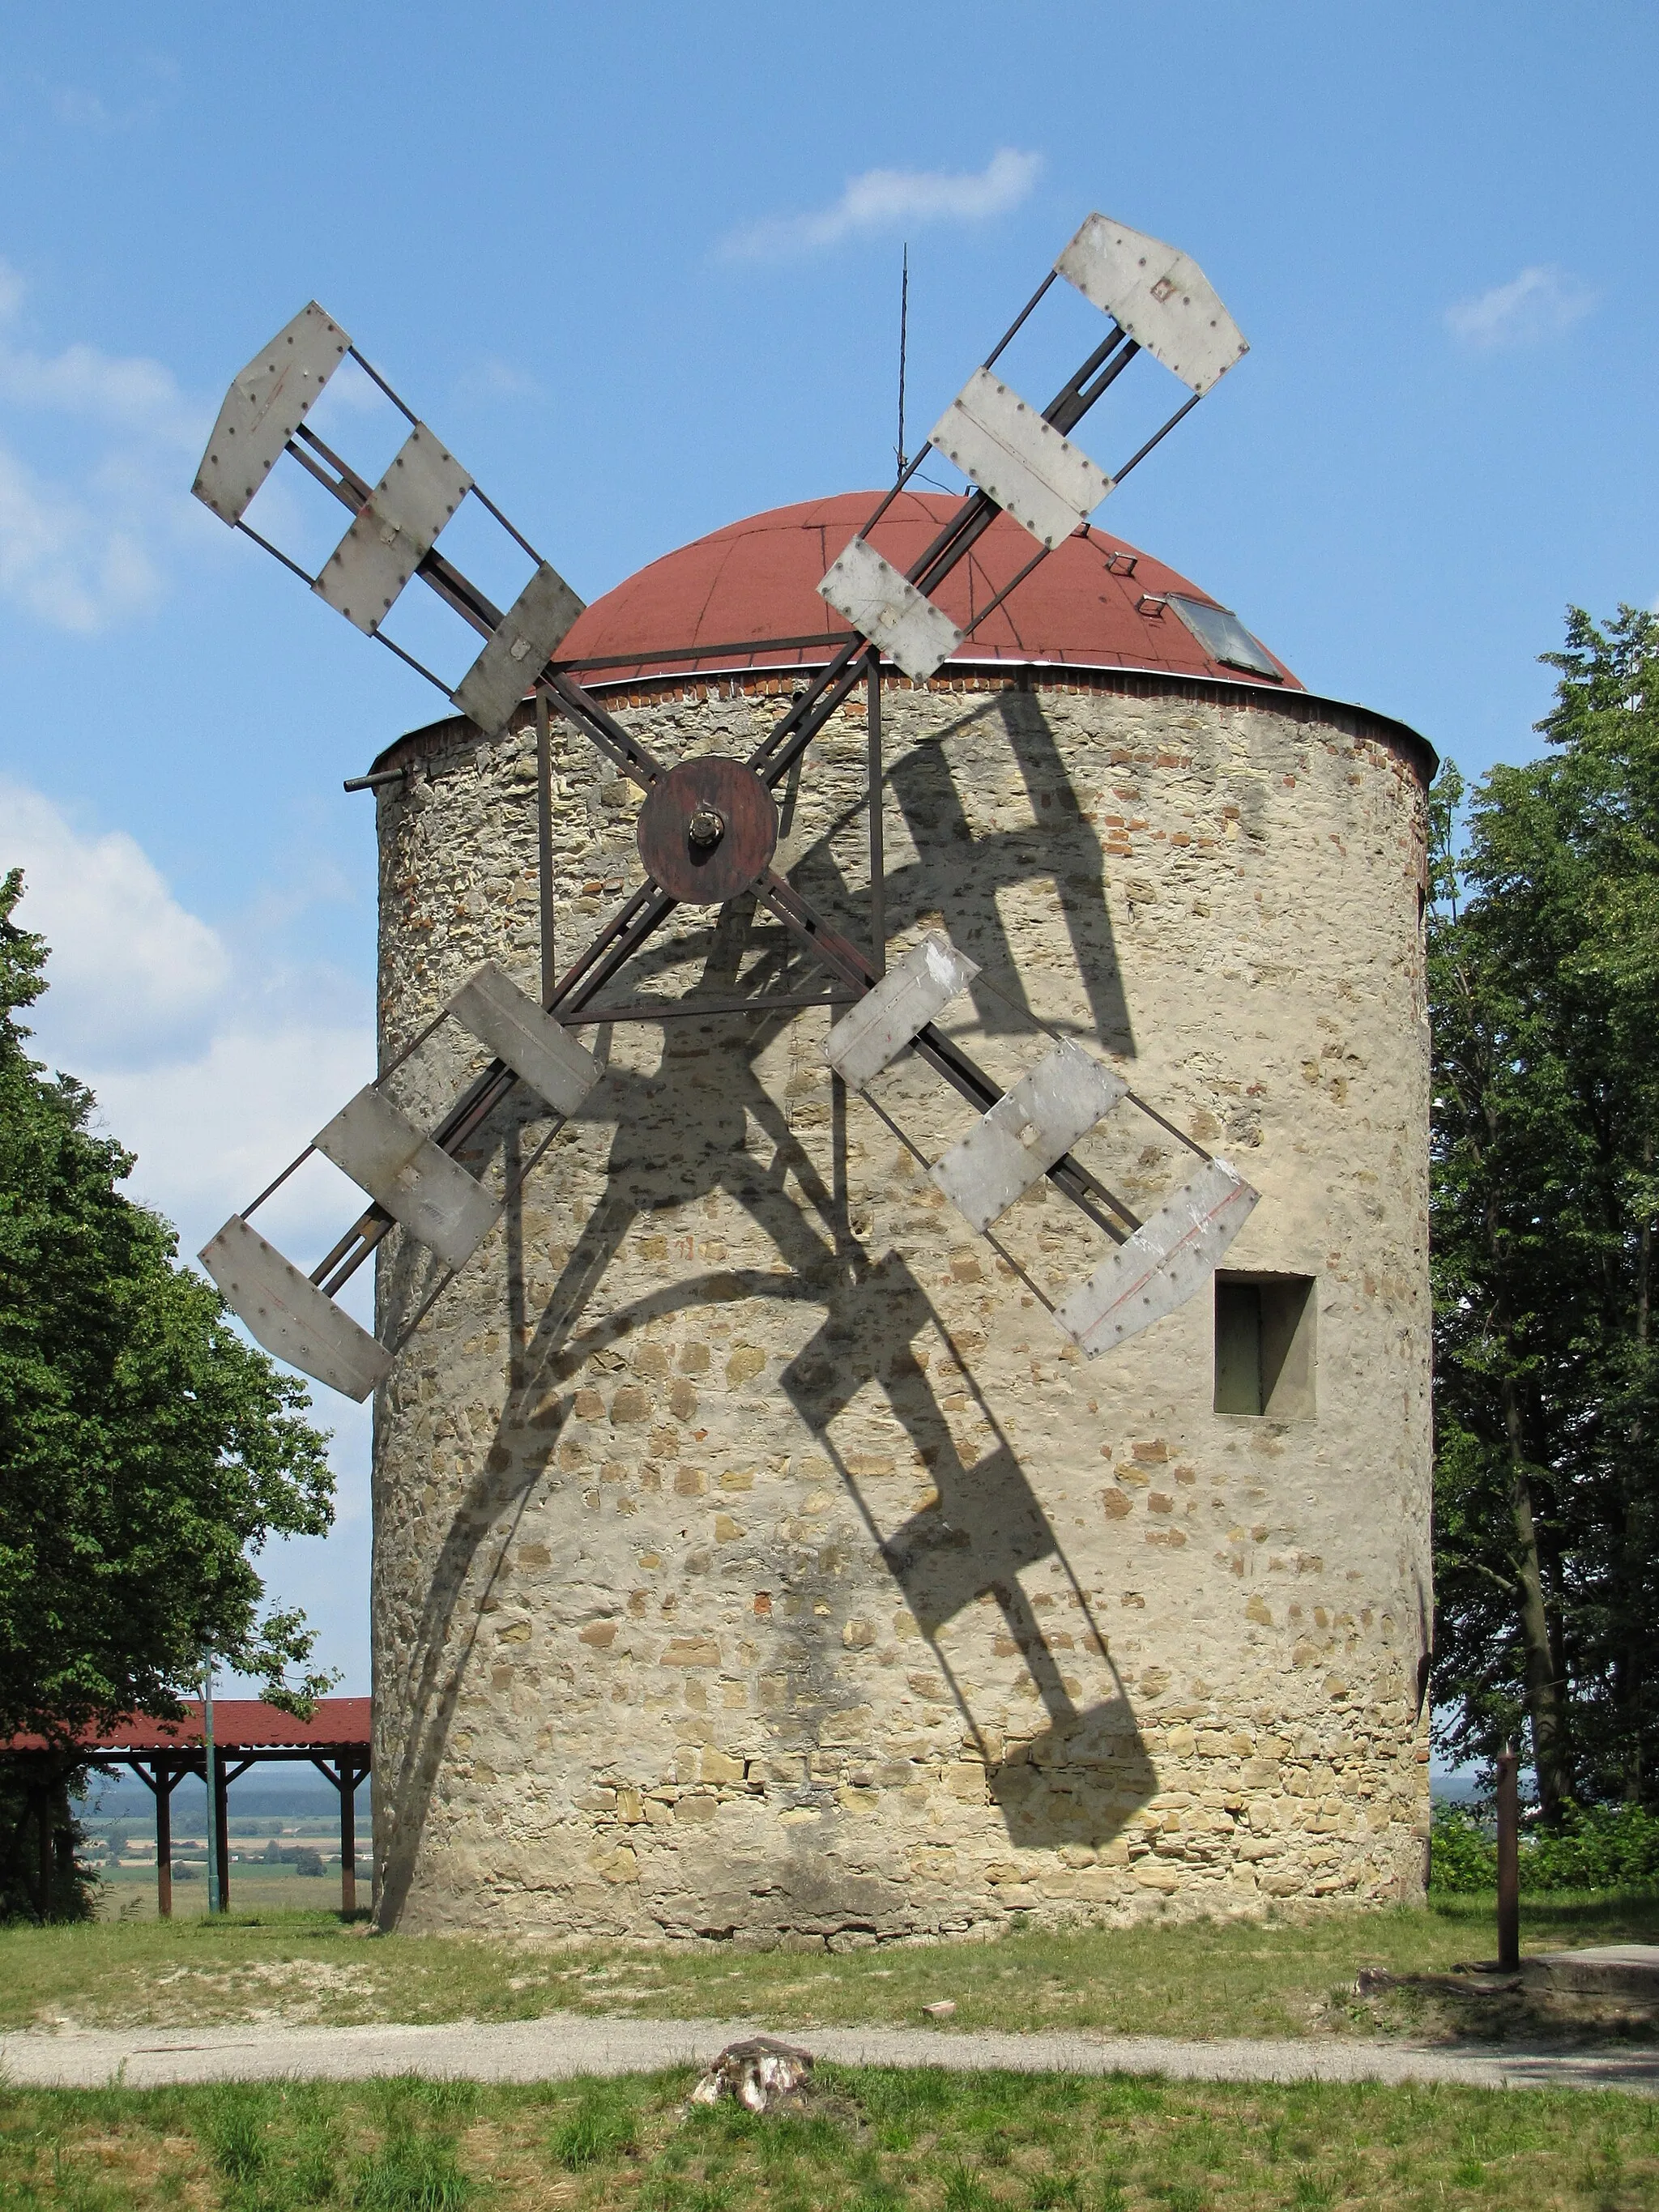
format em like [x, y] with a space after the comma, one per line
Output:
[211, 1776]
[877, 857]
[904, 332]
[545, 842]
[347, 1837]
[221, 1798]
[1508, 1863]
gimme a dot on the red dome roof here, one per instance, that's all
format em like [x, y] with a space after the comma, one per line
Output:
[1095, 603]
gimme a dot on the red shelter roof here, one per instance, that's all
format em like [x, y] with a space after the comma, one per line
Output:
[1095, 603]
[238, 1724]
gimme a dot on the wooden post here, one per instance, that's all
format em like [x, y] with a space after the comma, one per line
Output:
[162, 1787]
[1508, 1863]
[347, 1837]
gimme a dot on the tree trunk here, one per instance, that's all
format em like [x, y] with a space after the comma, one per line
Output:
[1632, 1687]
[1544, 1701]
[43, 1851]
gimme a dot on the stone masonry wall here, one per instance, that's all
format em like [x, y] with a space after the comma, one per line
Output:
[752, 1554]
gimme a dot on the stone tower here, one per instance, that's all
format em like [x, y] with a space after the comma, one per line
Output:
[753, 1556]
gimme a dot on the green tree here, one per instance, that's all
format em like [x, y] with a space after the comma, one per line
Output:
[145, 1450]
[1544, 984]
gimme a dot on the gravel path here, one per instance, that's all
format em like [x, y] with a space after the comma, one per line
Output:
[563, 2044]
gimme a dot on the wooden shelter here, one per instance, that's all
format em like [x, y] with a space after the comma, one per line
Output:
[246, 1733]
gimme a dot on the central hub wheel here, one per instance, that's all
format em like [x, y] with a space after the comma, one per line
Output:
[707, 830]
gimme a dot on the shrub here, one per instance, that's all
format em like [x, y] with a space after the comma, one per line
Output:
[1602, 1847]
[1596, 1847]
[1462, 1855]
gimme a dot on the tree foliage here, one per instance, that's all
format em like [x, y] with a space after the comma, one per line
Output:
[1544, 982]
[145, 1449]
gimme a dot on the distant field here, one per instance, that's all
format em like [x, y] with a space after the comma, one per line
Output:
[127, 1886]
[129, 1893]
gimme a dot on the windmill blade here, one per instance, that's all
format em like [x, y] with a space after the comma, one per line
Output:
[395, 523]
[412, 1179]
[1023, 463]
[264, 408]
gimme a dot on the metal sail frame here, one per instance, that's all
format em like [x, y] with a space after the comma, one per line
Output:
[1001, 443]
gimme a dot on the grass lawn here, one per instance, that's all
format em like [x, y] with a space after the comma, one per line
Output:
[1287, 1976]
[866, 2139]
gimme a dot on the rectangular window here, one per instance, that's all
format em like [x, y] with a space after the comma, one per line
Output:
[1265, 1345]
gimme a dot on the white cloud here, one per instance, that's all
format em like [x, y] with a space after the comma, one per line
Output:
[211, 1130]
[213, 1070]
[890, 199]
[127, 392]
[81, 551]
[63, 561]
[1541, 302]
[131, 972]
[491, 378]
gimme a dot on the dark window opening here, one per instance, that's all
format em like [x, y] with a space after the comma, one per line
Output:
[1264, 1345]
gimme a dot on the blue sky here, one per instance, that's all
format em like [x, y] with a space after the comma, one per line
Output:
[638, 267]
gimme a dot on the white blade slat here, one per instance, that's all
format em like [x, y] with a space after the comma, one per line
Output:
[533, 1045]
[996, 438]
[284, 1311]
[417, 1182]
[394, 531]
[1167, 1259]
[518, 650]
[1020, 1139]
[913, 991]
[886, 608]
[1159, 295]
[265, 406]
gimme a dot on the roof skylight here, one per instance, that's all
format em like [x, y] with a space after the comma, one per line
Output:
[1223, 636]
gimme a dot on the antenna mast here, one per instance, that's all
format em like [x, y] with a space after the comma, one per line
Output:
[904, 322]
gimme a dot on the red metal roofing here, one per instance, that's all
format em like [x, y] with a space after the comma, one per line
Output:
[757, 580]
[238, 1724]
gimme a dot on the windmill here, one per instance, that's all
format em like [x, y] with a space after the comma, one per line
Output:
[709, 827]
